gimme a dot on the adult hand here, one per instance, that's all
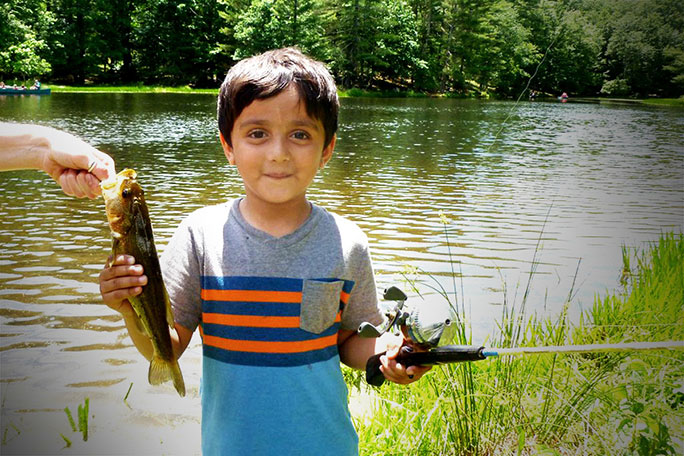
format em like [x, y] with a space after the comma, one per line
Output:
[77, 166]
[74, 164]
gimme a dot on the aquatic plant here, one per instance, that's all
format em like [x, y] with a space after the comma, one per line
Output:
[83, 418]
[83, 411]
[597, 403]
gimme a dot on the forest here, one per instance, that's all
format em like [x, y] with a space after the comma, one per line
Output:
[496, 48]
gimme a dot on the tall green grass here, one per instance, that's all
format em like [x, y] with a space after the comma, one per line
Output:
[612, 403]
[139, 88]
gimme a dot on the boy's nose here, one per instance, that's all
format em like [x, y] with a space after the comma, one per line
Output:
[279, 150]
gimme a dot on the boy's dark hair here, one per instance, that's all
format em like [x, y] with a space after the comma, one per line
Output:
[266, 75]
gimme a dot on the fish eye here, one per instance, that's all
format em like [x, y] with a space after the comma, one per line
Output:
[126, 192]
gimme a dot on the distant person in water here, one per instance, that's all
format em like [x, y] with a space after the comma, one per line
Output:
[74, 164]
[36, 85]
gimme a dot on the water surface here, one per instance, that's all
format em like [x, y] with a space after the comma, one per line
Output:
[562, 185]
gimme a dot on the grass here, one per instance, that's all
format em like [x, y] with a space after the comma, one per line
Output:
[186, 89]
[343, 93]
[83, 411]
[679, 102]
[597, 403]
[129, 89]
[671, 102]
[355, 92]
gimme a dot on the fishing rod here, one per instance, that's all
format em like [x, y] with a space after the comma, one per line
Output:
[427, 326]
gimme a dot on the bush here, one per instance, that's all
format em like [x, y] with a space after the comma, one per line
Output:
[615, 87]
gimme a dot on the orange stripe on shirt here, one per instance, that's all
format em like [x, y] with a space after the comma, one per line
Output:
[270, 347]
[255, 321]
[252, 296]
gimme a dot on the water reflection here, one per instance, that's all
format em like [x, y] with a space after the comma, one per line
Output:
[579, 181]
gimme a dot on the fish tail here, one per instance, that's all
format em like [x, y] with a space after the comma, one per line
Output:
[162, 370]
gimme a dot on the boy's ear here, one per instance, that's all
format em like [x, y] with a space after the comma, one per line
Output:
[227, 150]
[328, 152]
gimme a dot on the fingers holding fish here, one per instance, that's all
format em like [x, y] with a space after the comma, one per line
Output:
[119, 260]
[79, 183]
[119, 280]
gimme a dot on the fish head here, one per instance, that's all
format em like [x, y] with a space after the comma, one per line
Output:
[123, 196]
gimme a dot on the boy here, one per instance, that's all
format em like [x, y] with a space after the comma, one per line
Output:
[276, 284]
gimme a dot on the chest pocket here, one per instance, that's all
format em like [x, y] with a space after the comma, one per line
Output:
[320, 304]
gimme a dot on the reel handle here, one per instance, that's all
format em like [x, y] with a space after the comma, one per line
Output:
[369, 330]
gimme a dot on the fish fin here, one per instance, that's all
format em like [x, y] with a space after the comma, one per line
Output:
[178, 382]
[139, 321]
[139, 325]
[162, 371]
[169, 312]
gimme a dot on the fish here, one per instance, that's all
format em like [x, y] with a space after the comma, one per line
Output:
[131, 228]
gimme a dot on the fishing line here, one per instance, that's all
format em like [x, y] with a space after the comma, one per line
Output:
[527, 86]
[588, 348]
[448, 354]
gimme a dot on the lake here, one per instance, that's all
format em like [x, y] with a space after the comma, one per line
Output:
[558, 188]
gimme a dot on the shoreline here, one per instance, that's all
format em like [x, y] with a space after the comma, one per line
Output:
[358, 93]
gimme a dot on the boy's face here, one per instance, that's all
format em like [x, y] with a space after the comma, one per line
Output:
[277, 148]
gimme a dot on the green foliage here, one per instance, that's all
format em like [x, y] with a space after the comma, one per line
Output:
[598, 403]
[676, 66]
[460, 47]
[615, 87]
[83, 413]
[21, 25]
[270, 24]
[638, 35]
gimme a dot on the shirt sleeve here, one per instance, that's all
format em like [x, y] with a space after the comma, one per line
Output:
[363, 299]
[180, 265]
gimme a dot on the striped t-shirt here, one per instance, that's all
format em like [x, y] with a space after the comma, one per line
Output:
[269, 310]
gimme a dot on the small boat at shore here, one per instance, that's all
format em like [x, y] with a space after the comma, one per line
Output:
[11, 91]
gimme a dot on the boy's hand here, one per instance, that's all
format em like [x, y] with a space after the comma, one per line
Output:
[396, 372]
[119, 280]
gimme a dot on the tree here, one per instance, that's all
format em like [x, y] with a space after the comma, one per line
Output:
[376, 43]
[397, 50]
[569, 43]
[70, 40]
[676, 66]
[635, 50]
[503, 50]
[352, 38]
[111, 42]
[271, 24]
[178, 41]
[21, 51]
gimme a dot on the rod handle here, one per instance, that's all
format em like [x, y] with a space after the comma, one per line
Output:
[374, 375]
[408, 357]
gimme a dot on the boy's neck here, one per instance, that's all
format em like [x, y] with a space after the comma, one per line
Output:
[278, 220]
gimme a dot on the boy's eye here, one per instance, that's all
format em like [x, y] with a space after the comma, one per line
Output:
[256, 134]
[300, 135]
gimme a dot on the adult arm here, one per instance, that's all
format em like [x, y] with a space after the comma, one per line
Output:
[74, 164]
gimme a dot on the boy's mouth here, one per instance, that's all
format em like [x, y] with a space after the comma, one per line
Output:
[277, 175]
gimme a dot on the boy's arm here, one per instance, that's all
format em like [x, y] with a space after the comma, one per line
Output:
[355, 351]
[122, 280]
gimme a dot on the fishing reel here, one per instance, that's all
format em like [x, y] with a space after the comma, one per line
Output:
[425, 325]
